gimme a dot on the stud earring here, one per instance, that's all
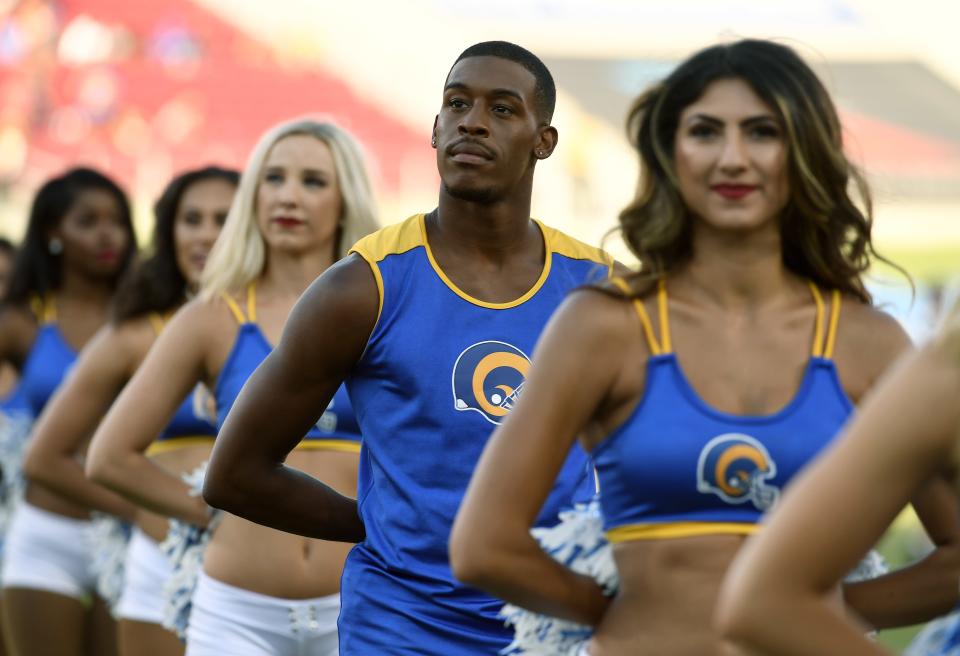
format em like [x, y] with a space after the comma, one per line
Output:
[55, 246]
[433, 142]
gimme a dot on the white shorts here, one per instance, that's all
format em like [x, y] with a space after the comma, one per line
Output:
[50, 552]
[229, 620]
[146, 572]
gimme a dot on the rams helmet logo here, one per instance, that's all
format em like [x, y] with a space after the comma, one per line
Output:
[736, 467]
[488, 378]
[328, 420]
[204, 404]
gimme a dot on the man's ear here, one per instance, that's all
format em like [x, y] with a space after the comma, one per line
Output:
[433, 132]
[547, 142]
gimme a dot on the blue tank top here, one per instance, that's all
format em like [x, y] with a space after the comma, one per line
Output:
[47, 363]
[15, 402]
[678, 467]
[194, 422]
[336, 429]
[441, 370]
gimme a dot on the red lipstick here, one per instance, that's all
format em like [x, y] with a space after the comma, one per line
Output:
[733, 191]
[287, 222]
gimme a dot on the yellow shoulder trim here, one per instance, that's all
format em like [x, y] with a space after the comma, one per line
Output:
[641, 311]
[252, 302]
[834, 320]
[678, 530]
[157, 321]
[817, 350]
[564, 244]
[392, 240]
[347, 446]
[44, 308]
[181, 442]
[234, 308]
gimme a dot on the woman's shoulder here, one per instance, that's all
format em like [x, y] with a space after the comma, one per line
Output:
[134, 335]
[871, 328]
[18, 329]
[203, 318]
[868, 341]
[605, 311]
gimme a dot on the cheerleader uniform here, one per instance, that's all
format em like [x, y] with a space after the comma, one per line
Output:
[228, 619]
[440, 371]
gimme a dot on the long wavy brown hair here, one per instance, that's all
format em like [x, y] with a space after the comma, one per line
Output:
[825, 233]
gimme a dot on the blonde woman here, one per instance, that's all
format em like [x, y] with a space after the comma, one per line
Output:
[303, 199]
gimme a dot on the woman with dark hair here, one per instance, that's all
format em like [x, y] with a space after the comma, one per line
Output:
[8, 375]
[189, 216]
[12, 406]
[704, 382]
[79, 243]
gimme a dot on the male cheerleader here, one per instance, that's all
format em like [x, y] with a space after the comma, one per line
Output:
[431, 323]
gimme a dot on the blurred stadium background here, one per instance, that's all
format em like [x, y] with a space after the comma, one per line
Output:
[144, 89]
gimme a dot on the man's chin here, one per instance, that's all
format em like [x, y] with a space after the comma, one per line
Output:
[480, 195]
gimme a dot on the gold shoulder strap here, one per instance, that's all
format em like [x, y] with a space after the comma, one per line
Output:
[252, 302]
[157, 321]
[642, 313]
[234, 308]
[251, 316]
[834, 321]
[823, 346]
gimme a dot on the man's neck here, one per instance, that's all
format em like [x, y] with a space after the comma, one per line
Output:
[491, 231]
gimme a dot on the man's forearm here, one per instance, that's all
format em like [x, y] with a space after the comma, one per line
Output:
[289, 500]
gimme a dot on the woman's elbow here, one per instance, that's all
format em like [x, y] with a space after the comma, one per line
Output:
[35, 466]
[734, 624]
[102, 468]
[472, 556]
[746, 608]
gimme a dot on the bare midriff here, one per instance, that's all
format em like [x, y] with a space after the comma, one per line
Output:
[668, 589]
[278, 564]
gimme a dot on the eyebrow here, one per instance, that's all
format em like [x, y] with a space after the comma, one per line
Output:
[277, 167]
[493, 92]
[760, 118]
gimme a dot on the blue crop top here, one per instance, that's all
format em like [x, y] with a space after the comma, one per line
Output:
[336, 430]
[194, 422]
[678, 467]
[47, 363]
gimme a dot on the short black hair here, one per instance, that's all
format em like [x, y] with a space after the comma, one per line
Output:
[545, 91]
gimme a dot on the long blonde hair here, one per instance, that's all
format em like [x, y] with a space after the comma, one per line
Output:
[239, 256]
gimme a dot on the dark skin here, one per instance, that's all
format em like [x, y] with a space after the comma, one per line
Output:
[488, 136]
[94, 237]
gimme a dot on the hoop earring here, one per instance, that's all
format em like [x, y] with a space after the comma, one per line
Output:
[55, 246]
